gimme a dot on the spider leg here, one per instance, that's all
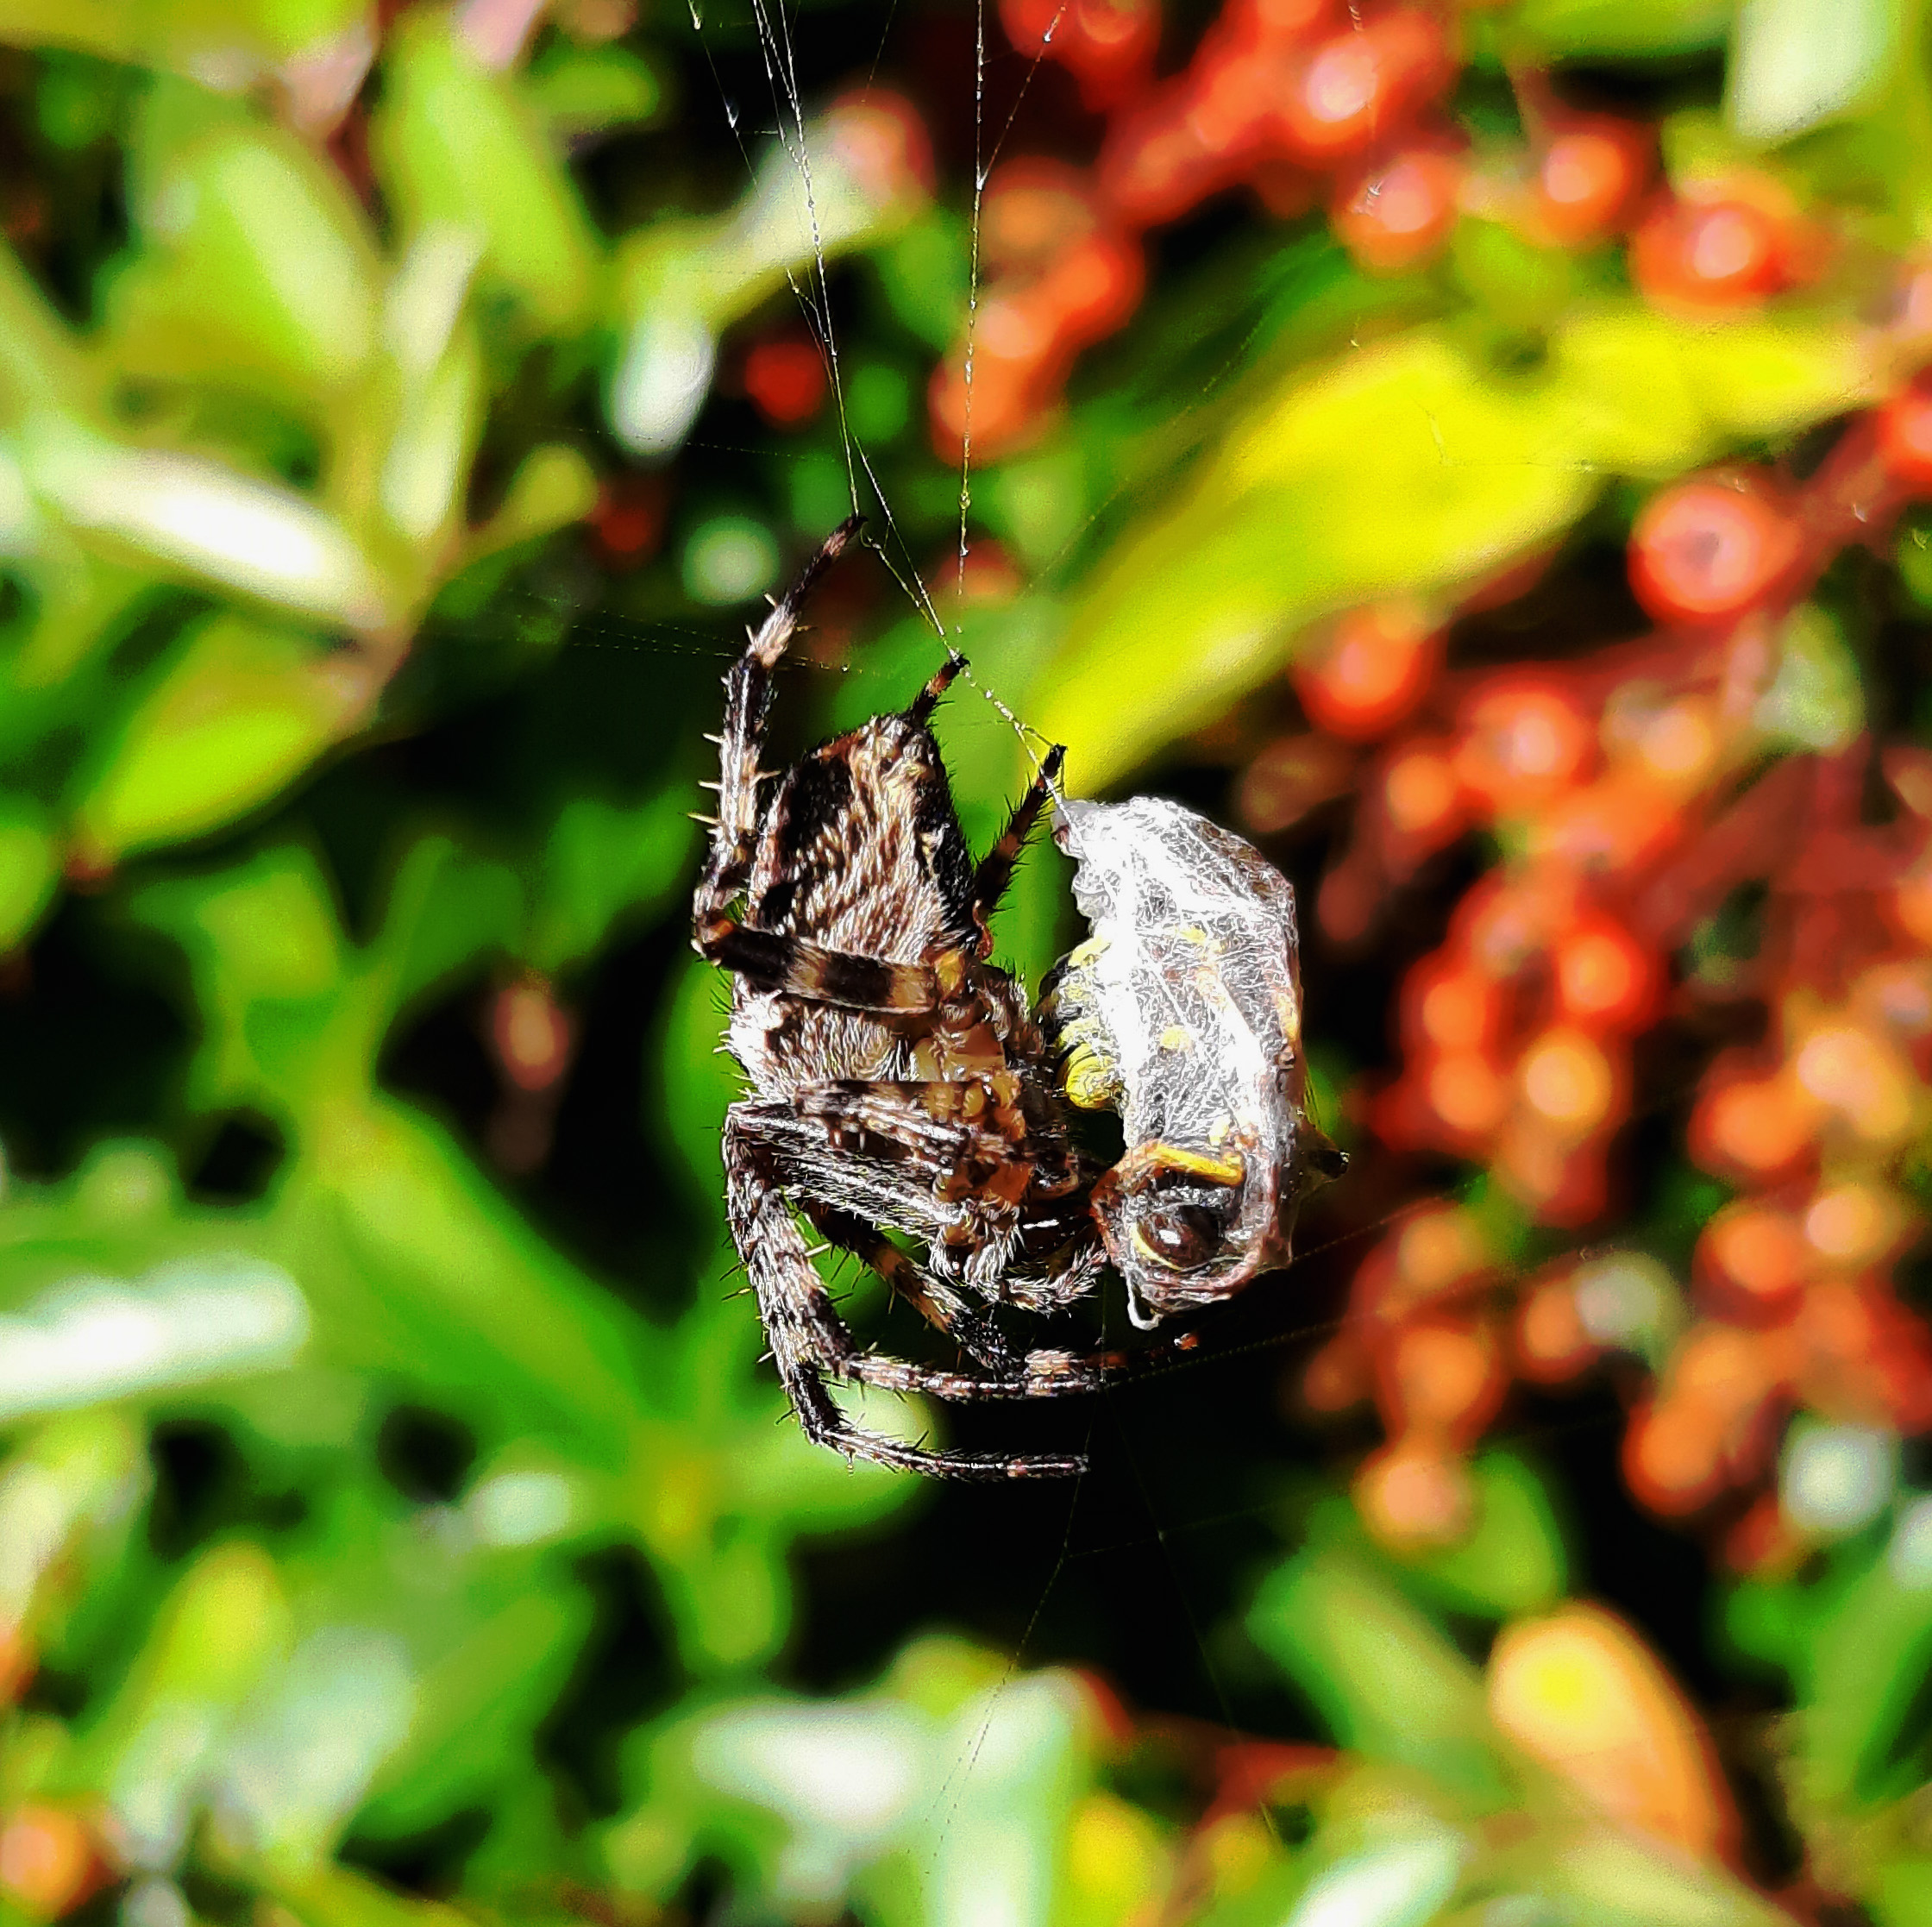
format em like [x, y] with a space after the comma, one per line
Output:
[938, 1304]
[942, 679]
[997, 867]
[808, 1338]
[748, 694]
[1037, 1374]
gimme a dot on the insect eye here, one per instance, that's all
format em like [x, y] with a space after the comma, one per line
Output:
[1181, 1236]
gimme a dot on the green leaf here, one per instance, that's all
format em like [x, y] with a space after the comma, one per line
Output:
[455, 145]
[580, 91]
[1859, 1674]
[178, 515]
[603, 862]
[1384, 1678]
[1577, 29]
[257, 262]
[238, 714]
[30, 868]
[1407, 467]
[1513, 1561]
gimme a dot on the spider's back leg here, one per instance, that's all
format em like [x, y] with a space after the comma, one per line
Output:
[808, 1339]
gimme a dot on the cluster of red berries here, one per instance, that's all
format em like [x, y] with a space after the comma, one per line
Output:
[1306, 103]
[1616, 787]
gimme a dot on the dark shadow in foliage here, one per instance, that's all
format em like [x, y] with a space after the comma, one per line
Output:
[431, 1862]
[424, 1454]
[203, 1486]
[89, 1049]
[626, 1672]
[244, 1154]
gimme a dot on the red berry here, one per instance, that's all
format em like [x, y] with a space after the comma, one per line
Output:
[1375, 666]
[1605, 979]
[1155, 165]
[1718, 252]
[1108, 44]
[1398, 215]
[1905, 437]
[1708, 549]
[1524, 741]
[785, 380]
[1359, 86]
[1588, 176]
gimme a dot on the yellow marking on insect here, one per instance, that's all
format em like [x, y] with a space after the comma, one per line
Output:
[1221, 1132]
[1144, 1160]
[1176, 1037]
[1092, 1081]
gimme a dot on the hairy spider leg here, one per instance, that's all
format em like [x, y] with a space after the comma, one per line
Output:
[809, 1339]
[1037, 1374]
[942, 679]
[996, 868]
[747, 698]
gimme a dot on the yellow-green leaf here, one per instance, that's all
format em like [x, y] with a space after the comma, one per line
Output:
[1414, 467]
[242, 709]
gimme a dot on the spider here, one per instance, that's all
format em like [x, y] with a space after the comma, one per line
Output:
[898, 1079]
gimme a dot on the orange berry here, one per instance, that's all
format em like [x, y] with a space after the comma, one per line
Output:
[1568, 1082]
[1905, 437]
[1422, 796]
[1524, 742]
[1399, 214]
[1674, 1457]
[1441, 1378]
[1587, 177]
[1374, 667]
[1604, 975]
[1854, 1225]
[1156, 164]
[1439, 1248]
[1551, 1342]
[1358, 85]
[1757, 1252]
[880, 140]
[1094, 288]
[1756, 1127]
[1706, 551]
[47, 1861]
[1860, 1076]
[1415, 1493]
[1716, 253]
[1468, 1093]
[1451, 1006]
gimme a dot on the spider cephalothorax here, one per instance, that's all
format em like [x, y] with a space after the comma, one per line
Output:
[900, 1082]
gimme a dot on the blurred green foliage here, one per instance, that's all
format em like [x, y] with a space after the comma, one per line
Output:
[297, 428]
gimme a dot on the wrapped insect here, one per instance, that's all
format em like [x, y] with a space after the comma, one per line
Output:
[1182, 1011]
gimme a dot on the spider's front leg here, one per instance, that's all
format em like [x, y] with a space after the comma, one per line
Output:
[1037, 1374]
[808, 1338]
[748, 694]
